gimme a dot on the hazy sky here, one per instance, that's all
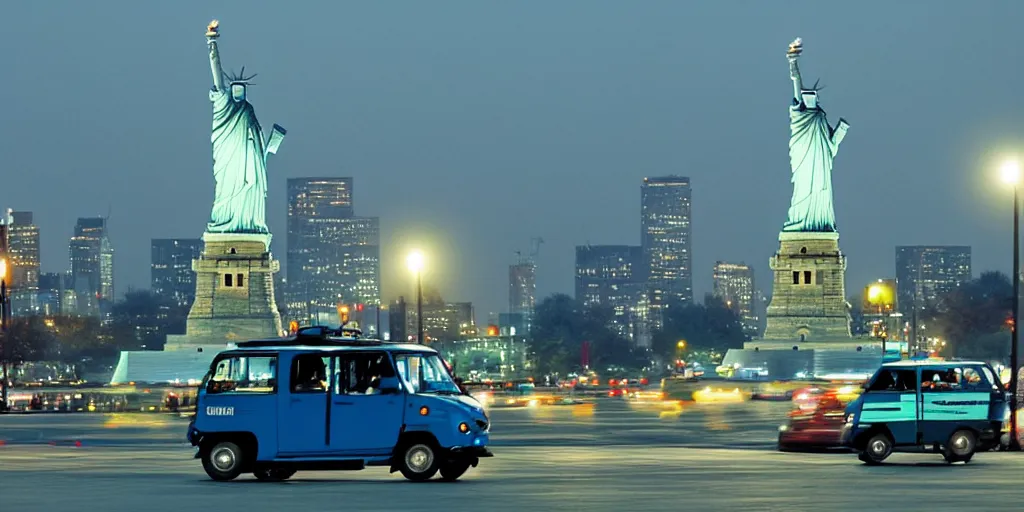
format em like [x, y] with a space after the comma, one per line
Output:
[470, 126]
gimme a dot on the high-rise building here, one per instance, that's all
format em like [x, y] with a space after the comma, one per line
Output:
[666, 241]
[92, 267]
[447, 321]
[398, 321]
[23, 258]
[522, 288]
[734, 285]
[924, 274]
[171, 274]
[609, 275]
[333, 255]
[52, 286]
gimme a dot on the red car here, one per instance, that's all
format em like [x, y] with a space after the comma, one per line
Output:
[818, 429]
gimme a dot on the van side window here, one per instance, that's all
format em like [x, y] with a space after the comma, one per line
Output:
[243, 374]
[360, 373]
[895, 380]
[309, 374]
[942, 379]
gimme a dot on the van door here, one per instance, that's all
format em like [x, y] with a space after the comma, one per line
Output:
[364, 420]
[952, 398]
[891, 400]
[302, 422]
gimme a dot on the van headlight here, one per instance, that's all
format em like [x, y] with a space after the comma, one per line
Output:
[464, 427]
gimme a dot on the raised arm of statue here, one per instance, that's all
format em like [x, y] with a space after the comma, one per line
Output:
[211, 41]
[839, 133]
[794, 74]
[793, 55]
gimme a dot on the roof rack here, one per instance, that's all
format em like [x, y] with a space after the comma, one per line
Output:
[317, 335]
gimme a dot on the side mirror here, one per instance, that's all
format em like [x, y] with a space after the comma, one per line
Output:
[389, 385]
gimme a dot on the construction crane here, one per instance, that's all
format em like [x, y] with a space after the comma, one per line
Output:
[535, 248]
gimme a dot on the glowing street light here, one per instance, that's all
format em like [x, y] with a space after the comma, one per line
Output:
[3, 328]
[1009, 171]
[416, 261]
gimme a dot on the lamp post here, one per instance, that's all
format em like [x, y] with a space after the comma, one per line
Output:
[415, 262]
[3, 330]
[1010, 172]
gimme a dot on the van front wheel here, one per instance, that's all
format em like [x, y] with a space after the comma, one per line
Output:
[223, 461]
[419, 461]
[877, 449]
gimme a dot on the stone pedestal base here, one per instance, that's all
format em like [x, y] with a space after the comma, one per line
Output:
[809, 292]
[234, 292]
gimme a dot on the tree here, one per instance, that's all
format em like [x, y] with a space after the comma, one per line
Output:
[708, 326]
[974, 318]
[30, 340]
[561, 325]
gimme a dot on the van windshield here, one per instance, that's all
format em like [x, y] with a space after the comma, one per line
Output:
[425, 373]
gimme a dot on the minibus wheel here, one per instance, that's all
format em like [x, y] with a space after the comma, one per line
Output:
[961, 446]
[223, 461]
[877, 449]
[418, 461]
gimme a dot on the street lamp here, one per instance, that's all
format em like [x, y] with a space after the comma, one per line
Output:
[415, 262]
[3, 331]
[1010, 173]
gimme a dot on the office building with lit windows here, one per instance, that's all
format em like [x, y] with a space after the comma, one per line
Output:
[925, 274]
[666, 242]
[92, 268]
[734, 285]
[333, 255]
[23, 263]
[171, 274]
[610, 275]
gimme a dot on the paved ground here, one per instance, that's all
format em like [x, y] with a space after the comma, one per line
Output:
[609, 458]
[621, 478]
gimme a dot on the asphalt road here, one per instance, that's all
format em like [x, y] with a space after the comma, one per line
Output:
[567, 459]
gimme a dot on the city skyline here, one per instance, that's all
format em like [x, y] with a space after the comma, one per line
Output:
[431, 194]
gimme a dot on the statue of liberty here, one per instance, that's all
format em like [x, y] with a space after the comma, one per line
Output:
[239, 152]
[812, 147]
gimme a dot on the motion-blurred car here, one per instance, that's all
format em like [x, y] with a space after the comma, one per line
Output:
[779, 389]
[719, 395]
[817, 429]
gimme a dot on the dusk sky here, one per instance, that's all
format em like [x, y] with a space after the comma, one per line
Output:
[471, 126]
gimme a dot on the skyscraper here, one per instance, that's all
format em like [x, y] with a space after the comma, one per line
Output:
[522, 287]
[92, 267]
[734, 285]
[924, 274]
[23, 258]
[608, 275]
[333, 255]
[665, 239]
[171, 274]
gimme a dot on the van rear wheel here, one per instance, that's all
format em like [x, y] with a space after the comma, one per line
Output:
[223, 461]
[418, 461]
[960, 447]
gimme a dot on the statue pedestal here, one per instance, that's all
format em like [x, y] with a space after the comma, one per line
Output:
[809, 292]
[234, 292]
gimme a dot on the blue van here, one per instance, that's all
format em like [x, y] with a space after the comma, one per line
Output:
[955, 408]
[326, 399]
